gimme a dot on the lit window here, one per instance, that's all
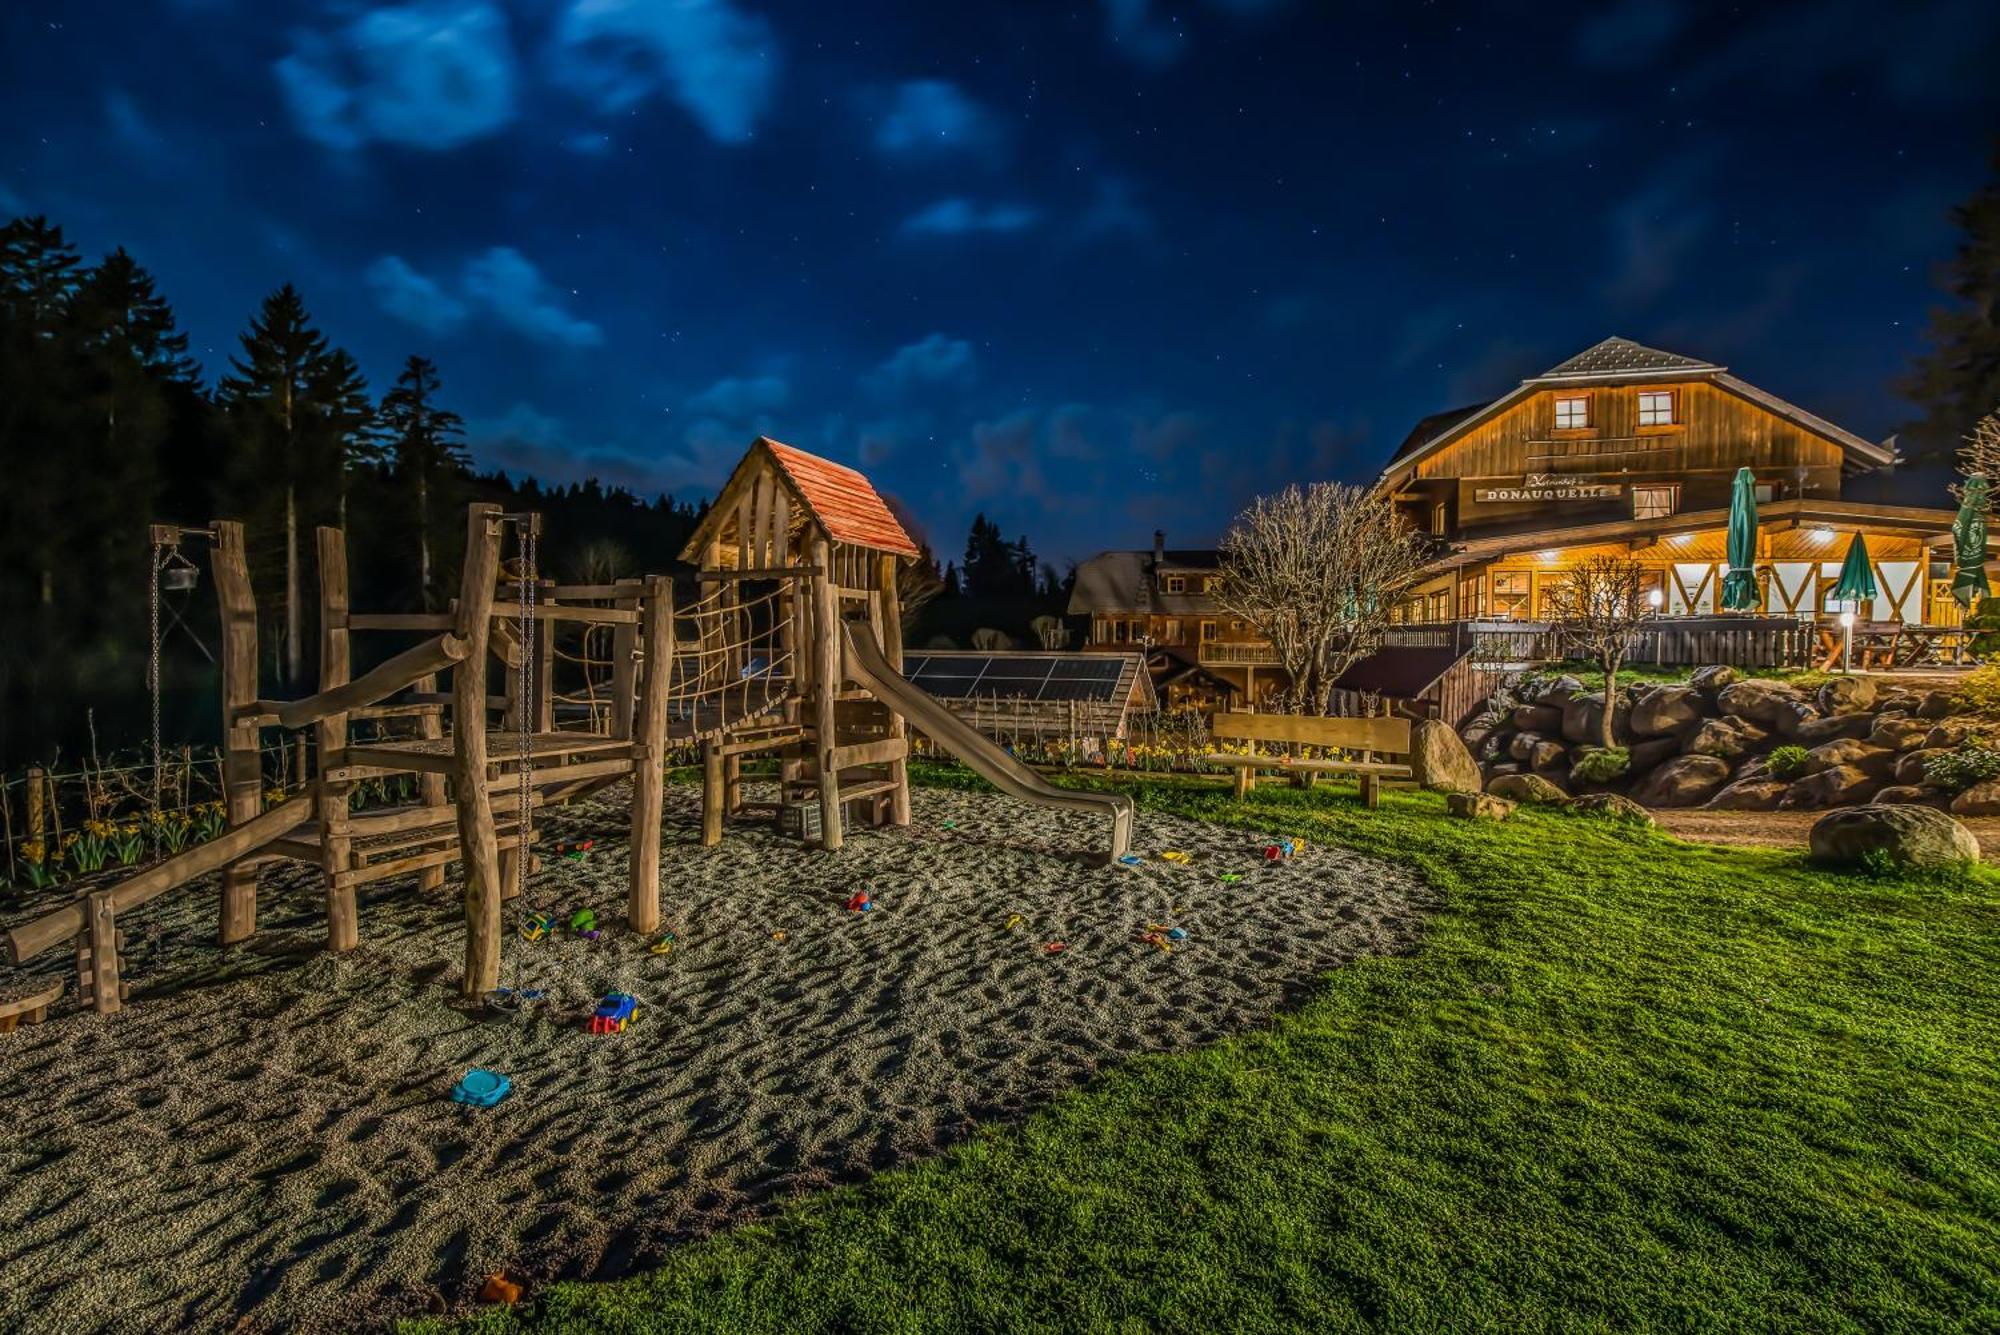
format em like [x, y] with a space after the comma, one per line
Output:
[1510, 593]
[1656, 502]
[1176, 584]
[1572, 412]
[1437, 518]
[1656, 407]
[1211, 584]
[1766, 492]
[1208, 630]
[1118, 632]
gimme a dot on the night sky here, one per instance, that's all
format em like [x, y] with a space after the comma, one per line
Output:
[1092, 268]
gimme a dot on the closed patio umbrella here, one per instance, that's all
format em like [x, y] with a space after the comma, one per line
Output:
[1968, 545]
[1857, 576]
[1739, 586]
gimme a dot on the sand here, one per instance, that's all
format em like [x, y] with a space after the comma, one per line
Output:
[263, 1139]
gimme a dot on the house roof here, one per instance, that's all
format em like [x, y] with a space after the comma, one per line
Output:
[1402, 671]
[1124, 582]
[843, 501]
[1623, 361]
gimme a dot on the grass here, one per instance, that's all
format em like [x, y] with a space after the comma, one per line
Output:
[1625, 1083]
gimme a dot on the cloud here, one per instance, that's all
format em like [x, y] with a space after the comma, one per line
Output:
[1115, 211]
[934, 359]
[930, 118]
[958, 216]
[1140, 36]
[718, 63]
[500, 282]
[130, 125]
[430, 76]
[412, 297]
[1629, 35]
[1934, 51]
[11, 203]
[743, 397]
[1651, 234]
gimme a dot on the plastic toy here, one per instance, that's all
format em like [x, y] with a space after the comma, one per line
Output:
[1177, 934]
[538, 926]
[664, 943]
[1053, 948]
[499, 1289]
[1130, 860]
[860, 902]
[584, 923]
[481, 1088]
[1283, 849]
[1175, 855]
[1014, 920]
[575, 852]
[1231, 877]
[1158, 939]
[614, 1013]
[777, 936]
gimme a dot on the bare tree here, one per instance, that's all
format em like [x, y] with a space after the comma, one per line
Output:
[917, 582]
[1979, 456]
[990, 640]
[1051, 632]
[1317, 569]
[1601, 610]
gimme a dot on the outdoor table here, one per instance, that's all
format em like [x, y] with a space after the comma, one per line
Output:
[1931, 646]
[1873, 642]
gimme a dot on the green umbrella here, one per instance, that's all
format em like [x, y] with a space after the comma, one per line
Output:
[1739, 586]
[1968, 545]
[1857, 577]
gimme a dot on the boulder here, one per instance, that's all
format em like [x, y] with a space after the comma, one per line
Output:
[1760, 701]
[1875, 761]
[1526, 788]
[1522, 746]
[1728, 738]
[1665, 709]
[1582, 715]
[1714, 678]
[1538, 718]
[1790, 723]
[1750, 795]
[1899, 732]
[1897, 702]
[1911, 836]
[1475, 733]
[1478, 806]
[1840, 786]
[1814, 731]
[1910, 765]
[1982, 799]
[1610, 805]
[1899, 793]
[1683, 782]
[1496, 745]
[1559, 691]
[1943, 736]
[1548, 756]
[1846, 695]
[1645, 755]
[1441, 761]
[1501, 767]
[1937, 704]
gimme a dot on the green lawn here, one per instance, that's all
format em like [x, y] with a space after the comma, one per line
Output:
[1626, 1083]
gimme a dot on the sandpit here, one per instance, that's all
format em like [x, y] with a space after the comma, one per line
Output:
[264, 1140]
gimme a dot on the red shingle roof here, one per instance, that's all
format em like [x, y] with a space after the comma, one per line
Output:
[845, 503]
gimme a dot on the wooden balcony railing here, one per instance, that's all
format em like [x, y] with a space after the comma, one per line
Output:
[1236, 653]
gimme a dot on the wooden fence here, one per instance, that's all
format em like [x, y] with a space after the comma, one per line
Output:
[1692, 641]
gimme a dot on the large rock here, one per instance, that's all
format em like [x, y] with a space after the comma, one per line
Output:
[1526, 788]
[1714, 678]
[1898, 793]
[1750, 795]
[1645, 755]
[1876, 761]
[1801, 715]
[1814, 731]
[1496, 745]
[1610, 805]
[1982, 799]
[1937, 704]
[1839, 786]
[1665, 709]
[1910, 836]
[1728, 738]
[1583, 715]
[1899, 732]
[1684, 782]
[1441, 761]
[1760, 701]
[1549, 756]
[1558, 691]
[1910, 765]
[1523, 745]
[1478, 806]
[1952, 732]
[1538, 718]
[1847, 695]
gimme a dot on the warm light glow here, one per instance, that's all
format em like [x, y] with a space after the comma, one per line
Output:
[1550, 556]
[1821, 534]
[1655, 597]
[1847, 620]
[1682, 537]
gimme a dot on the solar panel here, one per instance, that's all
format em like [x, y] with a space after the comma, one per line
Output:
[1028, 676]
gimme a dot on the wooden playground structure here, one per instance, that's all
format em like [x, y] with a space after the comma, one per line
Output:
[791, 647]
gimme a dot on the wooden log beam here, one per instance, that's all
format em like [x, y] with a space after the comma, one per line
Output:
[242, 773]
[376, 684]
[826, 689]
[343, 919]
[479, 846]
[649, 752]
[887, 568]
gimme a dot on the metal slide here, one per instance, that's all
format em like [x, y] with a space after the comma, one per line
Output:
[866, 665]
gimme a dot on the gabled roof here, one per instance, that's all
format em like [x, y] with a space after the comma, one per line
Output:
[1620, 360]
[843, 501]
[1126, 582]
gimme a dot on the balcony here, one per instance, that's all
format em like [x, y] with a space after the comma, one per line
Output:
[1236, 653]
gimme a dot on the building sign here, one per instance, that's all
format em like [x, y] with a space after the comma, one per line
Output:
[1550, 487]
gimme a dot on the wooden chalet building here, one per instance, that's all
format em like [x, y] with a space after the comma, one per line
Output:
[1629, 450]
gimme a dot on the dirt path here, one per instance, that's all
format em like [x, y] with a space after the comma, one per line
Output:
[1783, 829]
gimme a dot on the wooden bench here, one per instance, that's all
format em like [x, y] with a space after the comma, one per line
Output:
[27, 1003]
[1383, 743]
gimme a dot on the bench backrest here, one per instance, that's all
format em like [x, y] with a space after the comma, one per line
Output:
[1387, 736]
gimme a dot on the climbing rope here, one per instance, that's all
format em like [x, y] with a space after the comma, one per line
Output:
[524, 729]
[153, 663]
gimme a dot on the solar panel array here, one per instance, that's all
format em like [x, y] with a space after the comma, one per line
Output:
[1056, 677]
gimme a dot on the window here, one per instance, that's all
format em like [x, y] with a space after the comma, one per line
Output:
[1207, 631]
[1657, 501]
[1766, 492]
[1656, 407]
[1173, 631]
[1510, 593]
[1437, 518]
[1118, 632]
[1572, 412]
[1211, 584]
[1100, 631]
[1176, 584]
[1437, 605]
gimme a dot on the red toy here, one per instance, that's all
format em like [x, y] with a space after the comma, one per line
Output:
[860, 903]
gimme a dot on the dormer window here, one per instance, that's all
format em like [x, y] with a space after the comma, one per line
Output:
[1572, 412]
[1176, 584]
[1656, 407]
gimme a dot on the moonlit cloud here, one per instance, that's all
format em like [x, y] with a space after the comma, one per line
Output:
[743, 396]
[958, 217]
[934, 359]
[930, 118]
[430, 76]
[500, 283]
[714, 60]
[412, 297]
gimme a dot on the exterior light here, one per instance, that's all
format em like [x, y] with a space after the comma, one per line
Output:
[1655, 597]
[1822, 534]
[1550, 557]
[1847, 620]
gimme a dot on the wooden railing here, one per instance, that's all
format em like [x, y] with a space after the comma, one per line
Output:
[1691, 641]
[1236, 653]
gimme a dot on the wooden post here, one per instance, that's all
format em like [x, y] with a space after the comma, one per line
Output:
[732, 785]
[38, 811]
[545, 666]
[892, 650]
[826, 690]
[712, 801]
[343, 927]
[479, 848]
[430, 787]
[624, 662]
[649, 756]
[98, 982]
[242, 776]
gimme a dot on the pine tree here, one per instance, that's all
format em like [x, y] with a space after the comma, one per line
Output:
[301, 415]
[1958, 381]
[37, 282]
[425, 453]
[37, 274]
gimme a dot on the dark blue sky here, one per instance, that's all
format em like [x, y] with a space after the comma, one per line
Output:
[1091, 268]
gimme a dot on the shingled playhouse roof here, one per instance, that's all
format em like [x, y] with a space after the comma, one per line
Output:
[843, 501]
